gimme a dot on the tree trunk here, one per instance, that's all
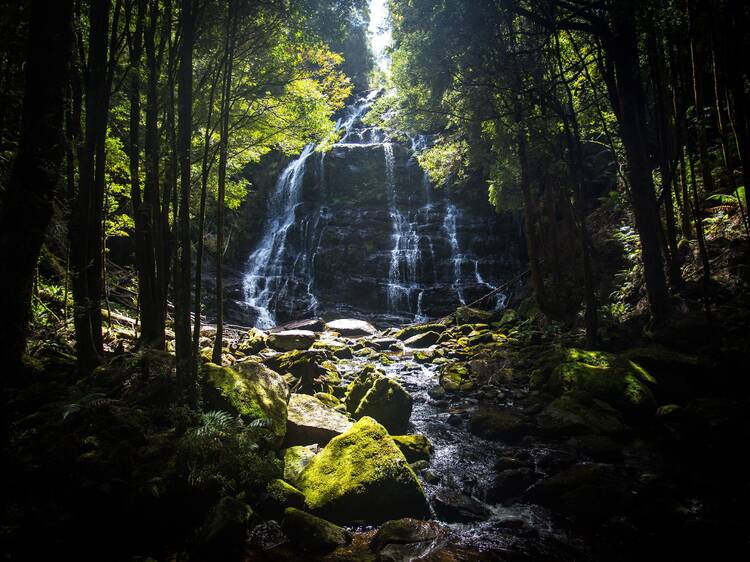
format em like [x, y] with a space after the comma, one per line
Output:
[186, 364]
[27, 202]
[623, 50]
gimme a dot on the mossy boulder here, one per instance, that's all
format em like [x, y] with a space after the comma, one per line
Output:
[617, 381]
[280, 495]
[411, 331]
[362, 476]
[387, 402]
[422, 340]
[295, 460]
[312, 370]
[253, 342]
[359, 386]
[331, 401]
[497, 424]
[251, 390]
[455, 377]
[576, 413]
[310, 421]
[338, 349]
[469, 315]
[313, 534]
[224, 532]
[414, 447]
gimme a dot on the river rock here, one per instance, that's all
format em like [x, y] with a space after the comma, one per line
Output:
[410, 331]
[362, 476]
[251, 390]
[312, 370]
[453, 506]
[496, 424]
[351, 328]
[311, 324]
[422, 340]
[407, 539]
[253, 342]
[576, 413]
[414, 447]
[311, 421]
[510, 484]
[290, 340]
[313, 534]
[388, 402]
[280, 495]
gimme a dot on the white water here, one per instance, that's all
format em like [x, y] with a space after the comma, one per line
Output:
[449, 225]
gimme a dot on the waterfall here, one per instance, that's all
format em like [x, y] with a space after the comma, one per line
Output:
[360, 229]
[449, 225]
[265, 275]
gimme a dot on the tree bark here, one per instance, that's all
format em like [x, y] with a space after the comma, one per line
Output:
[27, 202]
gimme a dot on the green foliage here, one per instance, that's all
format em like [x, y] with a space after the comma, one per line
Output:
[225, 453]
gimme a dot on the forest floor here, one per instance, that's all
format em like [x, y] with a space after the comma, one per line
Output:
[479, 436]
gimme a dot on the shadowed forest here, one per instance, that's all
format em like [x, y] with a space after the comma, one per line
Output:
[385, 280]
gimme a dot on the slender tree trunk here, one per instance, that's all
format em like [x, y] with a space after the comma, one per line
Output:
[186, 364]
[623, 50]
[86, 219]
[34, 181]
[222, 180]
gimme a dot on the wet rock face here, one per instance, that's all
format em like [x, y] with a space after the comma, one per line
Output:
[365, 231]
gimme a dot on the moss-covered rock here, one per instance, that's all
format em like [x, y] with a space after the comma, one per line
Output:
[362, 476]
[576, 413]
[280, 495]
[331, 401]
[619, 382]
[253, 342]
[455, 377]
[468, 315]
[312, 370]
[338, 349]
[310, 421]
[414, 447]
[407, 539]
[359, 386]
[250, 390]
[411, 331]
[224, 531]
[387, 402]
[313, 534]
[496, 424]
[295, 460]
[422, 340]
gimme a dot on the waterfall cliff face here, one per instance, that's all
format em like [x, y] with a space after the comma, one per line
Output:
[360, 231]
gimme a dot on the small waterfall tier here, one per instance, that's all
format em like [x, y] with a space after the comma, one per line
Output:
[360, 230]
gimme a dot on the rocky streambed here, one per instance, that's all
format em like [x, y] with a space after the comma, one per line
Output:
[524, 449]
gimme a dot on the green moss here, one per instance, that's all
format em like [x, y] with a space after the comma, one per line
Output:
[279, 496]
[414, 447]
[338, 349]
[329, 400]
[313, 534]
[251, 390]
[225, 528]
[578, 413]
[295, 461]
[388, 402]
[362, 476]
[359, 387]
[411, 331]
[253, 342]
[455, 377]
[468, 315]
[313, 370]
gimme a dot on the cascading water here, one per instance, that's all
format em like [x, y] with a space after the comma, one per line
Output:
[265, 275]
[360, 232]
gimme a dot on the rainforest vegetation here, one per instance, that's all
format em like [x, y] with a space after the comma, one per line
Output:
[387, 280]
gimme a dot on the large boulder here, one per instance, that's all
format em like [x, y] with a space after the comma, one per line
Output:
[251, 390]
[351, 328]
[313, 534]
[310, 421]
[362, 476]
[577, 413]
[279, 496]
[289, 340]
[620, 382]
[387, 402]
[253, 342]
[411, 331]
